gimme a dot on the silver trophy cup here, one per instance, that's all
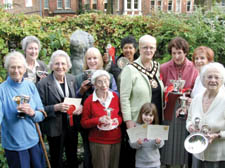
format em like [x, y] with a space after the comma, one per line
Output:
[21, 100]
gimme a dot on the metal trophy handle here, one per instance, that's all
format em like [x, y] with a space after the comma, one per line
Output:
[122, 62]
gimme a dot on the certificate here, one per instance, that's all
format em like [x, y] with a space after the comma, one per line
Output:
[74, 101]
[148, 132]
[137, 132]
[158, 131]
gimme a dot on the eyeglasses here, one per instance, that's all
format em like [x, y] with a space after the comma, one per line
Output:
[148, 48]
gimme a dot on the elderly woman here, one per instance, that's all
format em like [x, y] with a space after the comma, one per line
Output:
[20, 138]
[129, 47]
[92, 62]
[179, 67]
[31, 47]
[209, 106]
[101, 116]
[53, 89]
[141, 83]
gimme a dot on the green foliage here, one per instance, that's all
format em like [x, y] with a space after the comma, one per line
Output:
[3, 161]
[199, 28]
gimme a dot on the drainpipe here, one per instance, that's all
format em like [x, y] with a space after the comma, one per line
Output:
[40, 7]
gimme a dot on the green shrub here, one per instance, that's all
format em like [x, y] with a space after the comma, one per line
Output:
[198, 28]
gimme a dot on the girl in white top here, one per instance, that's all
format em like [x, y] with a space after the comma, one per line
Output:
[147, 150]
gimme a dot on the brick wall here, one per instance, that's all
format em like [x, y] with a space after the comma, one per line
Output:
[19, 7]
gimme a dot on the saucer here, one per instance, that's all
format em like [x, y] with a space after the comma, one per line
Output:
[108, 127]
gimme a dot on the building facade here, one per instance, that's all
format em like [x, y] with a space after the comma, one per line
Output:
[121, 7]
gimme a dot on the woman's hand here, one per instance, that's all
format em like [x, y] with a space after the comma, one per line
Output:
[181, 110]
[189, 100]
[63, 107]
[212, 136]
[84, 86]
[79, 110]
[140, 141]
[105, 120]
[157, 141]
[25, 108]
[130, 124]
[192, 129]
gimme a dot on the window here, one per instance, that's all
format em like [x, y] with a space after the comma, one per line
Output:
[46, 4]
[94, 4]
[178, 6]
[135, 4]
[152, 5]
[59, 4]
[170, 5]
[8, 4]
[188, 5]
[67, 4]
[128, 4]
[105, 5]
[159, 4]
[28, 3]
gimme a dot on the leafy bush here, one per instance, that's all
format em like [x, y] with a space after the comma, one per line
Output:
[198, 28]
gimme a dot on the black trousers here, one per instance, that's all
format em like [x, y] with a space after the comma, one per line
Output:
[66, 141]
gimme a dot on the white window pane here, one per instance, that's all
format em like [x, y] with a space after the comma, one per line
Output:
[188, 6]
[128, 4]
[59, 4]
[8, 4]
[135, 4]
[28, 3]
[46, 4]
[67, 4]
[170, 5]
[159, 4]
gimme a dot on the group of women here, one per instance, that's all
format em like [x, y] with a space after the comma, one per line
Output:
[104, 113]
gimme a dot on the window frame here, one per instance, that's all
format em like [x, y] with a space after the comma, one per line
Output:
[59, 7]
[46, 2]
[66, 2]
[8, 4]
[170, 6]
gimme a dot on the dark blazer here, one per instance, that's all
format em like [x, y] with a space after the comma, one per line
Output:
[52, 125]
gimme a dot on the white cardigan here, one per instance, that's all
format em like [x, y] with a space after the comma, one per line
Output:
[215, 119]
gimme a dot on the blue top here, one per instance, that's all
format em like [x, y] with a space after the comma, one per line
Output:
[19, 134]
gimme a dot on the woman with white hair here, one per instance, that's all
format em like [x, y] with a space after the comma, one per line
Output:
[209, 107]
[31, 46]
[101, 116]
[20, 138]
[140, 83]
[92, 62]
[53, 89]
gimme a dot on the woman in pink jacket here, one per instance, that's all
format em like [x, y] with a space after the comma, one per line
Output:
[179, 67]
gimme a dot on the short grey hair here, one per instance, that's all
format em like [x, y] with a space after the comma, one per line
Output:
[14, 55]
[147, 38]
[59, 53]
[30, 39]
[214, 65]
[99, 73]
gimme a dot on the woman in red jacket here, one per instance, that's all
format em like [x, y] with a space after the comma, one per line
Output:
[101, 114]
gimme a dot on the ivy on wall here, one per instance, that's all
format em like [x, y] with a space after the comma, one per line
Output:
[54, 32]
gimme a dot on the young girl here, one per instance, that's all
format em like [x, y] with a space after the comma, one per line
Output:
[147, 150]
